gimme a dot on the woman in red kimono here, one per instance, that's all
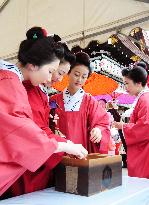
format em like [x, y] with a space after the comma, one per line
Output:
[136, 132]
[38, 99]
[24, 146]
[81, 118]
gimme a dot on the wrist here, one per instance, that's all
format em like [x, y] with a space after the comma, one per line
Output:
[62, 146]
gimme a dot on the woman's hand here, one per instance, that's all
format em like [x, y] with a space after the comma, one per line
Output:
[73, 149]
[96, 135]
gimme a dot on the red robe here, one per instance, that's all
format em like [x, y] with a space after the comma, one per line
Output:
[76, 125]
[24, 146]
[137, 138]
[43, 177]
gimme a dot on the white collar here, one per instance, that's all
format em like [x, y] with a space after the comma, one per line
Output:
[73, 102]
[44, 89]
[4, 65]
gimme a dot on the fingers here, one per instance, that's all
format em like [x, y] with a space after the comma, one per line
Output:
[97, 140]
[80, 156]
[95, 135]
[69, 142]
[82, 152]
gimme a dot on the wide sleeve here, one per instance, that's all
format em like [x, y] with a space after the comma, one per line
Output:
[22, 141]
[137, 131]
[98, 117]
[40, 110]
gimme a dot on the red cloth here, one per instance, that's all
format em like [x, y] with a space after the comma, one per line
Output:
[76, 125]
[43, 177]
[40, 109]
[137, 138]
[24, 146]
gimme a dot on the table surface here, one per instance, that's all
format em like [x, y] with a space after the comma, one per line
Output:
[134, 191]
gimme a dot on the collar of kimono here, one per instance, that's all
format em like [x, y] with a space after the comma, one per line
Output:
[145, 90]
[44, 89]
[4, 65]
[73, 102]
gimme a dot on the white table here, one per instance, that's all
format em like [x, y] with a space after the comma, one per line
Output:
[134, 191]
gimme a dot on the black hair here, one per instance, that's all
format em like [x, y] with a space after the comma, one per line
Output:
[39, 49]
[82, 59]
[103, 100]
[137, 74]
[68, 55]
[57, 38]
[142, 64]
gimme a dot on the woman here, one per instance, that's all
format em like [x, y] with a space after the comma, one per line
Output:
[81, 118]
[38, 99]
[136, 131]
[24, 146]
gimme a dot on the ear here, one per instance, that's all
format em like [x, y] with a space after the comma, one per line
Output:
[139, 84]
[31, 67]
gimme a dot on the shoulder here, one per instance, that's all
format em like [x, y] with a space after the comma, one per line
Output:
[143, 103]
[144, 99]
[10, 80]
[5, 74]
[12, 90]
[89, 98]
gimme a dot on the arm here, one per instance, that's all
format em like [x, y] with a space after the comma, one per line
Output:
[21, 139]
[98, 118]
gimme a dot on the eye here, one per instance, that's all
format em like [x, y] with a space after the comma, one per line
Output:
[50, 72]
[60, 74]
[77, 75]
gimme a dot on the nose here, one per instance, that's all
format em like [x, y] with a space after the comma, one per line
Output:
[79, 79]
[59, 78]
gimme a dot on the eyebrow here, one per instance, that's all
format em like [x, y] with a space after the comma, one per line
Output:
[61, 71]
[77, 72]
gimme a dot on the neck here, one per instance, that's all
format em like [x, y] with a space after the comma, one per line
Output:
[139, 90]
[23, 70]
[71, 90]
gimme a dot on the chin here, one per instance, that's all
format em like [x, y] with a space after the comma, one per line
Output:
[35, 84]
[131, 93]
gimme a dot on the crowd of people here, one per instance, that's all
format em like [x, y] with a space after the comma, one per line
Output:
[30, 150]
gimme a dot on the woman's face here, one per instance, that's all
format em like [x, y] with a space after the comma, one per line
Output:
[131, 87]
[78, 76]
[43, 74]
[62, 70]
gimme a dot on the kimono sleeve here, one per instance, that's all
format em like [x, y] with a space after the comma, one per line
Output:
[21, 140]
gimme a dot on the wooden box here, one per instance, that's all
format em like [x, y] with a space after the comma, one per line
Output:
[88, 177]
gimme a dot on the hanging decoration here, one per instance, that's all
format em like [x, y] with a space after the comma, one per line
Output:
[135, 58]
[107, 66]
